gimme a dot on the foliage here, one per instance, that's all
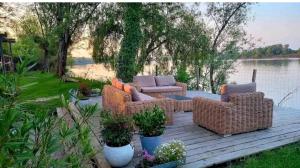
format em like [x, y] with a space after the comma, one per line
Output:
[171, 151]
[117, 130]
[26, 48]
[167, 152]
[169, 32]
[227, 36]
[268, 51]
[182, 75]
[32, 135]
[151, 122]
[67, 21]
[126, 67]
[30, 27]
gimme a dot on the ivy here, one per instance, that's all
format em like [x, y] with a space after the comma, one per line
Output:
[126, 65]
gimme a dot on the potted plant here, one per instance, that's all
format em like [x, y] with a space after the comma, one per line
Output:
[84, 91]
[151, 124]
[117, 132]
[168, 155]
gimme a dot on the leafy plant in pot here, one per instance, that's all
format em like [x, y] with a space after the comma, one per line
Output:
[117, 132]
[151, 124]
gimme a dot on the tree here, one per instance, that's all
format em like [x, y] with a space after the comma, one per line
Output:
[227, 32]
[126, 66]
[67, 20]
[169, 32]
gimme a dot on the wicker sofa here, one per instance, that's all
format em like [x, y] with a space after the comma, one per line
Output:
[121, 102]
[159, 85]
[243, 112]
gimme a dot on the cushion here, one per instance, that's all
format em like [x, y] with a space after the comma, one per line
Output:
[143, 97]
[132, 91]
[117, 83]
[144, 81]
[227, 90]
[165, 80]
[136, 96]
[161, 89]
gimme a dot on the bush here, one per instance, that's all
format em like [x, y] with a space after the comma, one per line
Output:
[182, 75]
[116, 130]
[151, 122]
[172, 151]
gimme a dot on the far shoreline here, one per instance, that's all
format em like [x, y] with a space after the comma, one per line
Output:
[272, 58]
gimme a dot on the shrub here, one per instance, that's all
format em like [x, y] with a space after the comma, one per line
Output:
[116, 130]
[172, 151]
[151, 122]
[182, 75]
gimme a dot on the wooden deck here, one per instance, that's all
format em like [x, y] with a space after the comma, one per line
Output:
[205, 148]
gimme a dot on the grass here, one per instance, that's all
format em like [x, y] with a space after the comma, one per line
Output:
[36, 85]
[284, 157]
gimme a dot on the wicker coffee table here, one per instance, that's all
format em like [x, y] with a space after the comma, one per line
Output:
[183, 103]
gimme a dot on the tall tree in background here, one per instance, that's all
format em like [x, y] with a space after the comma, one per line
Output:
[169, 32]
[68, 21]
[227, 34]
[126, 66]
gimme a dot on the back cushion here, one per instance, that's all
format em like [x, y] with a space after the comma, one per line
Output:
[165, 80]
[227, 90]
[144, 81]
[117, 83]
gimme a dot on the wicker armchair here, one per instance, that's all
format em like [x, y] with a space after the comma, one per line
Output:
[243, 113]
[121, 102]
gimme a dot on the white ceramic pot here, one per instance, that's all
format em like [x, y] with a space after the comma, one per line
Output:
[118, 156]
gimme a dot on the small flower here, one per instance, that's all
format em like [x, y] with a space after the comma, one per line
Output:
[147, 156]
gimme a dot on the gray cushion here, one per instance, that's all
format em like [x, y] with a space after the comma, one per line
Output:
[165, 80]
[132, 91]
[144, 81]
[136, 96]
[143, 97]
[229, 89]
[161, 89]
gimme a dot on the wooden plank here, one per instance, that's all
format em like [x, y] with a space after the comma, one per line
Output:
[194, 155]
[241, 153]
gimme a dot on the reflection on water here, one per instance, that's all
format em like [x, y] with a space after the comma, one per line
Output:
[276, 78]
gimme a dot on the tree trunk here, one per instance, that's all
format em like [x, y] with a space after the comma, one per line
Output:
[46, 60]
[64, 42]
[211, 78]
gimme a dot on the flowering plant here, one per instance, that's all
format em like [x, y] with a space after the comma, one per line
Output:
[172, 151]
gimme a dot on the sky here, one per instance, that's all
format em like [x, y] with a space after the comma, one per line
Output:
[275, 23]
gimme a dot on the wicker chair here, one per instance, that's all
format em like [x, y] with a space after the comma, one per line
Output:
[244, 112]
[120, 102]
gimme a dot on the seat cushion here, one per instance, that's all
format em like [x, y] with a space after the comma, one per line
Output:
[144, 81]
[143, 97]
[161, 89]
[165, 80]
[229, 89]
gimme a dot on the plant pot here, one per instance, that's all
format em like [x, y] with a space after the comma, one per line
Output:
[118, 156]
[150, 143]
[172, 164]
